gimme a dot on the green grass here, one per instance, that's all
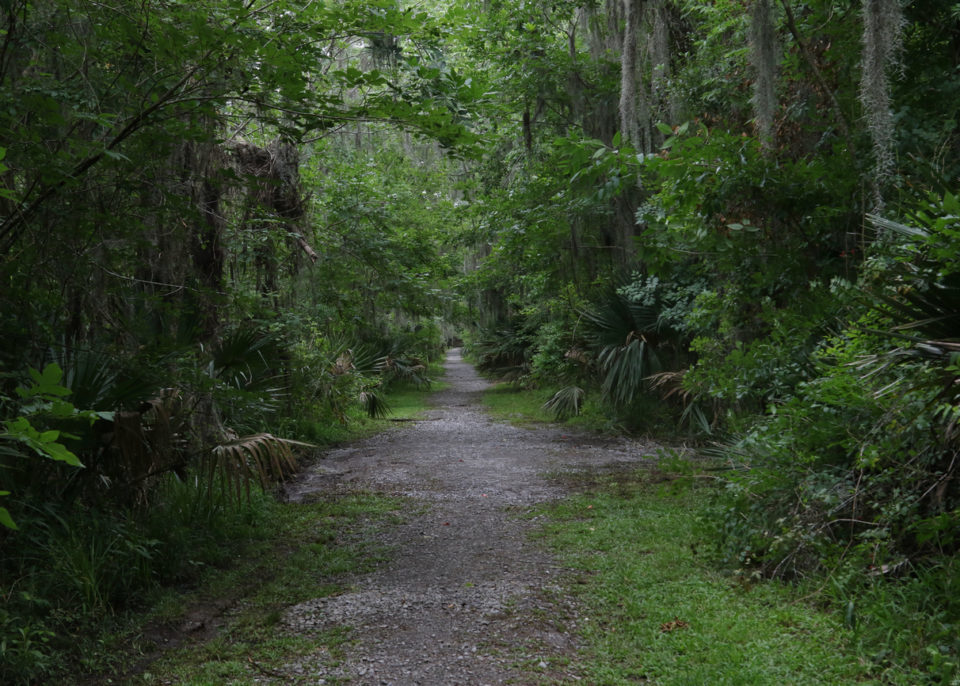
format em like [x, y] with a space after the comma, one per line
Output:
[304, 551]
[521, 406]
[509, 402]
[297, 553]
[73, 596]
[408, 402]
[657, 611]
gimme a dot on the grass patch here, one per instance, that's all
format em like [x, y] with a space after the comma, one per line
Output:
[511, 402]
[408, 401]
[297, 552]
[405, 401]
[302, 551]
[656, 611]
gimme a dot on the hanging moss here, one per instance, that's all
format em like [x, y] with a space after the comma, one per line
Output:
[883, 26]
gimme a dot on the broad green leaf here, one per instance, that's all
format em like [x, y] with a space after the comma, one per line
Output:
[49, 436]
[6, 520]
[56, 451]
[44, 443]
[46, 383]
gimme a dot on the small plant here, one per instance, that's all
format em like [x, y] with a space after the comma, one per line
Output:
[24, 651]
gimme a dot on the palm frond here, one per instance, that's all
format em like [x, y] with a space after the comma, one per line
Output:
[244, 358]
[374, 404]
[566, 403]
[670, 387]
[404, 370]
[262, 457]
[624, 336]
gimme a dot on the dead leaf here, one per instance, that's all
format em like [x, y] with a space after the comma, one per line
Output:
[673, 625]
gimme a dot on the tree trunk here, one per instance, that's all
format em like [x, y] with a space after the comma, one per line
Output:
[629, 131]
[763, 57]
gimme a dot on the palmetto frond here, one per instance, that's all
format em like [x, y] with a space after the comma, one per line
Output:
[924, 312]
[262, 457]
[566, 403]
[374, 404]
[623, 336]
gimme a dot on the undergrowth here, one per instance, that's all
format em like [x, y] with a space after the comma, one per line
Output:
[512, 402]
[656, 609]
[311, 549]
[76, 580]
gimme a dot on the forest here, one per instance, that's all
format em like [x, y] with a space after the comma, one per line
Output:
[231, 229]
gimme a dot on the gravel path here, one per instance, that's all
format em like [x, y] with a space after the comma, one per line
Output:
[466, 598]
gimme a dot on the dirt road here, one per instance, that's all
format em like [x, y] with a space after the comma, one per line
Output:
[466, 597]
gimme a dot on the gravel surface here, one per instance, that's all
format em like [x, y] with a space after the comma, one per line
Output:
[466, 597]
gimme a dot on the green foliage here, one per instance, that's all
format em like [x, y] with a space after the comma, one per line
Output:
[24, 649]
[41, 402]
[69, 570]
[222, 219]
[556, 356]
[852, 476]
[503, 352]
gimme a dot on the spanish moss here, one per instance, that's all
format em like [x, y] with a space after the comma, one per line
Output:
[882, 39]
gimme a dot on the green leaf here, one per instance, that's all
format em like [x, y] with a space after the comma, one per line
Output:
[62, 409]
[46, 383]
[56, 451]
[6, 520]
[664, 129]
[44, 444]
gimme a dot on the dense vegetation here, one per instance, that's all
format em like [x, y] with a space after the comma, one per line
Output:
[228, 228]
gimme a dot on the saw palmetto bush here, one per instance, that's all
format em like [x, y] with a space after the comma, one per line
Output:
[566, 402]
[624, 337]
[633, 335]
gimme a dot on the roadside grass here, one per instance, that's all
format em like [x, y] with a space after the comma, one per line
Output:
[302, 551]
[645, 553]
[405, 401]
[655, 610]
[408, 401]
[510, 402]
[237, 568]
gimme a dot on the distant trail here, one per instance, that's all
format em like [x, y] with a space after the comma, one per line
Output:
[466, 595]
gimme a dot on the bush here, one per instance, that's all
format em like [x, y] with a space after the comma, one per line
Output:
[854, 475]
